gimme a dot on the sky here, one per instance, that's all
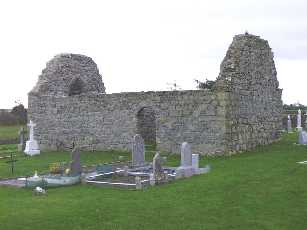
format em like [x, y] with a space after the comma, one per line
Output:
[142, 45]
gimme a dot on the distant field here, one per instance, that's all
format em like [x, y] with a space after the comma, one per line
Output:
[9, 132]
[260, 189]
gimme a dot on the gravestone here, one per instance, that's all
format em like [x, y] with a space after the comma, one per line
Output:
[302, 137]
[75, 165]
[186, 169]
[186, 154]
[195, 161]
[289, 124]
[299, 120]
[32, 147]
[306, 119]
[157, 168]
[22, 142]
[138, 183]
[138, 151]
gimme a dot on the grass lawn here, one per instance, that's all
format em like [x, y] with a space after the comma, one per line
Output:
[9, 132]
[260, 189]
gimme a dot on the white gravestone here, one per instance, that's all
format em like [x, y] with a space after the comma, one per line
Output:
[299, 120]
[195, 161]
[186, 169]
[32, 147]
[138, 151]
[186, 154]
[302, 137]
[289, 124]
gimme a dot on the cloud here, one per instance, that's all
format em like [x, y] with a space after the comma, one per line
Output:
[141, 45]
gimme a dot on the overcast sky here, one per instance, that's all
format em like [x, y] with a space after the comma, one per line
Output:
[147, 45]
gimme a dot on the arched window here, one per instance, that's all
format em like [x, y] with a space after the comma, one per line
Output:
[76, 87]
[146, 125]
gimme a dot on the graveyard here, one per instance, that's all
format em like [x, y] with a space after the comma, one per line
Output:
[215, 158]
[259, 189]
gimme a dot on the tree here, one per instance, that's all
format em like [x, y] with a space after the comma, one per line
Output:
[20, 113]
[208, 84]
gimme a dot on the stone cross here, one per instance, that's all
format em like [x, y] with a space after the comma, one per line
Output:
[32, 147]
[138, 151]
[299, 120]
[31, 126]
[186, 155]
[75, 165]
[157, 168]
[289, 124]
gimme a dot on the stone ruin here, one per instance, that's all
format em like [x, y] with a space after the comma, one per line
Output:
[242, 110]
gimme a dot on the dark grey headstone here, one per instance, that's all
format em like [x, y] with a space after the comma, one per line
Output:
[75, 165]
[157, 168]
[289, 125]
[22, 139]
[138, 151]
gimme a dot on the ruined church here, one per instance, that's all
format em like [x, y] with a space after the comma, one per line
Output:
[241, 111]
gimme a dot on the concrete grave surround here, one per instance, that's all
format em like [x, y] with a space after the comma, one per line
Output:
[241, 111]
[138, 150]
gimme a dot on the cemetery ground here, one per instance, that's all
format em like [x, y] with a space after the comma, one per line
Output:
[260, 189]
[8, 132]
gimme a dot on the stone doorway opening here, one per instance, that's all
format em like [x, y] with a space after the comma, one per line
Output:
[146, 125]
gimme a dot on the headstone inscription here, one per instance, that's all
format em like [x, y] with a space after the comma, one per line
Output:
[138, 151]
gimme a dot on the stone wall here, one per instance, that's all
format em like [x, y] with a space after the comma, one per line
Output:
[254, 108]
[109, 121]
[243, 110]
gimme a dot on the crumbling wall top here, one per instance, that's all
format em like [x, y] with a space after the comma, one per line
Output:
[248, 61]
[69, 74]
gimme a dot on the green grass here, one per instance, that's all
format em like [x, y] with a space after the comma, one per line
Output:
[9, 132]
[260, 189]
